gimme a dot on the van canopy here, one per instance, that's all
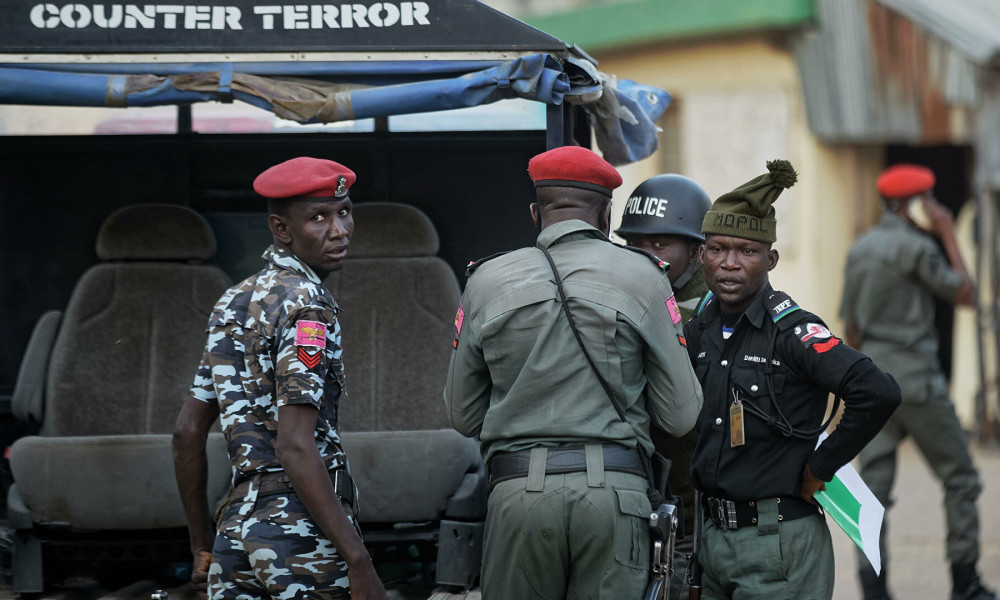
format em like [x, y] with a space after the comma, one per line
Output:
[316, 63]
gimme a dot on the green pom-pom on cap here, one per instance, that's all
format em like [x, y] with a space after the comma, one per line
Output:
[782, 173]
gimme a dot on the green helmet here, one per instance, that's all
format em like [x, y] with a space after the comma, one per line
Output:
[666, 205]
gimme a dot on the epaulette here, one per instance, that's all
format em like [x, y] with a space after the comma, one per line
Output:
[779, 306]
[706, 298]
[660, 264]
[475, 264]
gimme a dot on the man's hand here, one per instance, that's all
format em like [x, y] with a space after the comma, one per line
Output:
[364, 582]
[942, 221]
[810, 485]
[199, 573]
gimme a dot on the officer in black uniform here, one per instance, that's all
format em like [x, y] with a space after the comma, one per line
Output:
[767, 368]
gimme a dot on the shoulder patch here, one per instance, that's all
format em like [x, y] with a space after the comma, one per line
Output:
[310, 333]
[662, 265]
[459, 319]
[675, 313]
[816, 336]
[780, 305]
[475, 264]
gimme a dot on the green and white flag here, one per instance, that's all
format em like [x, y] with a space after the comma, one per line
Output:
[856, 509]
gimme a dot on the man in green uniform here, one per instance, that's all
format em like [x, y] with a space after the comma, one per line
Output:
[767, 368]
[892, 276]
[663, 216]
[563, 406]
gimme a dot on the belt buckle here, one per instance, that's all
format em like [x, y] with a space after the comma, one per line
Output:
[731, 514]
[725, 512]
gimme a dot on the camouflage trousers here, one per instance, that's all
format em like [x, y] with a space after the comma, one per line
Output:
[271, 548]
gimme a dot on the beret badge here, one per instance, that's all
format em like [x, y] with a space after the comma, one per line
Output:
[341, 190]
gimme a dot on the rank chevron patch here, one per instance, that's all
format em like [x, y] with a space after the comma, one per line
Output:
[310, 361]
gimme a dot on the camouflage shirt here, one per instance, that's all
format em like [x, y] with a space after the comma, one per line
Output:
[273, 340]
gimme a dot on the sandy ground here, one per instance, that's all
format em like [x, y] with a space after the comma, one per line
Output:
[918, 567]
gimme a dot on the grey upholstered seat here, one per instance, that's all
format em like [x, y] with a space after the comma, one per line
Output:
[399, 301]
[108, 381]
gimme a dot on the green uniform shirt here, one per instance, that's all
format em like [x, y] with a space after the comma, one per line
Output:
[518, 376]
[892, 274]
[679, 450]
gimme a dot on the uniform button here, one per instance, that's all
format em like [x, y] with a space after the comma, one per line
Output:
[718, 420]
[753, 388]
[751, 503]
[754, 520]
[781, 518]
[725, 362]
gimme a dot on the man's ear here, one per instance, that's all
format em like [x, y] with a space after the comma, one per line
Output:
[772, 259]
[694, 251]
[536, 216]
[279, 228]
[606, 218]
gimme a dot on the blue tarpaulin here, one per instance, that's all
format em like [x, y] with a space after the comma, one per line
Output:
[623, 113]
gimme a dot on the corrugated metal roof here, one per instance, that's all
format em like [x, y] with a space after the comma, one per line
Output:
[970, 26]
[871, 74]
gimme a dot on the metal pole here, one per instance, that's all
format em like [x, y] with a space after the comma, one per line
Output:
[555, 126]
[993, 260]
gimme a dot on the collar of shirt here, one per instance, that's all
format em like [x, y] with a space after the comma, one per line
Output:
[754, 314]
[893, 220]
[283, 259]
[553, 233]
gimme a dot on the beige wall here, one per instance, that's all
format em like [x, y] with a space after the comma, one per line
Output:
[739, 105]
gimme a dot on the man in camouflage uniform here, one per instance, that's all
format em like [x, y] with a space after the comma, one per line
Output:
[272, 372]
[663, 216]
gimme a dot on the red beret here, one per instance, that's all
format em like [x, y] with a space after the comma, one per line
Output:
[305, 178]
[573, 166]
[904, 180]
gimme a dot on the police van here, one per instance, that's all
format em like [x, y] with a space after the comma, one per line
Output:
[130, 134]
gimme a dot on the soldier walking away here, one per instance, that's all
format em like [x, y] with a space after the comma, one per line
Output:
[564, 353]
[273, 372]
[767, 368]
[663, 216]
[892, 276]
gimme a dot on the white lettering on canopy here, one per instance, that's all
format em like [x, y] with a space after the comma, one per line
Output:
[197, 16]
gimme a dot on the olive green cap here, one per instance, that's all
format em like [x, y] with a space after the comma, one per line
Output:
[748, 212]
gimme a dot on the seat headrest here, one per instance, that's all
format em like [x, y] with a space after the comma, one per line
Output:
[155, 232]
[385, 229]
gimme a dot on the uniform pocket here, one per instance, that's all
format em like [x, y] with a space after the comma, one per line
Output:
[632, 528]
[755, 391]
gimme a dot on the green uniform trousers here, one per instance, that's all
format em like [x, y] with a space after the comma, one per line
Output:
[575, 536]
[938, 435]
[791, 560]
[678, 582]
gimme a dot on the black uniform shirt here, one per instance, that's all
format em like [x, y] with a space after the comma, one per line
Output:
[802, 366]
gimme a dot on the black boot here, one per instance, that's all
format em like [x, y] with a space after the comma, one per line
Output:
[966, 584]
[873, 587]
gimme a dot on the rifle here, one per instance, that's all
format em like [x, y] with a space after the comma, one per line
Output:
[694, 567]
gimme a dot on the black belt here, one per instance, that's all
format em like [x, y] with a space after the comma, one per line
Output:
[277, 482]
[512, 465]
[729, 514]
